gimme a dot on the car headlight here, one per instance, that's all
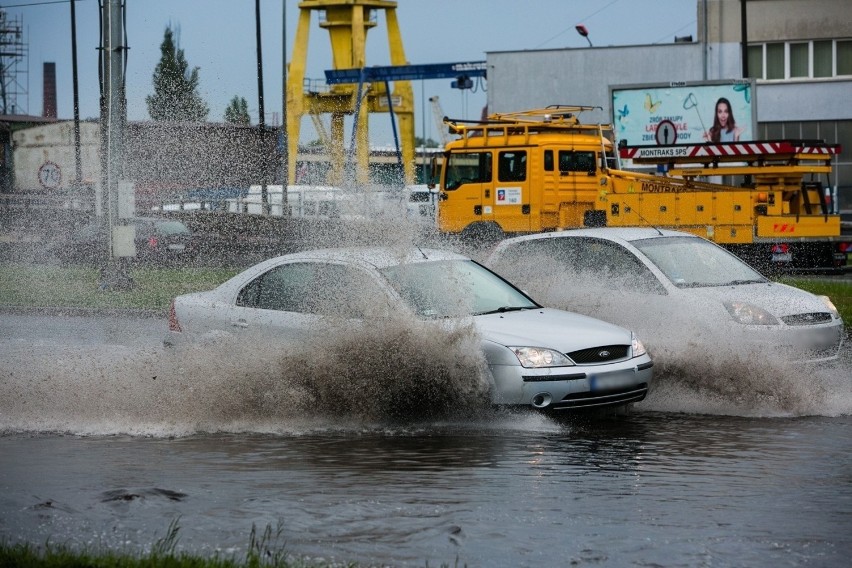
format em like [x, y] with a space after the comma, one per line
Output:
[831, 307]
[638, 346]
[748, 314]
[533, 357]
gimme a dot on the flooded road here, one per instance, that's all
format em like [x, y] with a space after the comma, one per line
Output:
[107, 438]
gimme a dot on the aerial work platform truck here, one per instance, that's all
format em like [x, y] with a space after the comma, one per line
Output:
[769, 202]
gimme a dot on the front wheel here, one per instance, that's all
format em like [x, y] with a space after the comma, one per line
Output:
[482, 233]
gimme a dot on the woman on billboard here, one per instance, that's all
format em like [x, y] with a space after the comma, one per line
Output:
[724, 127]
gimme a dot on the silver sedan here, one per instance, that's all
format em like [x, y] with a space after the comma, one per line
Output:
[535, 357]
[674, 288]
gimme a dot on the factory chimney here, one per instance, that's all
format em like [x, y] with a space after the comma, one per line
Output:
[49, 97]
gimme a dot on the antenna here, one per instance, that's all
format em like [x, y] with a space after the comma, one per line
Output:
[627, 209]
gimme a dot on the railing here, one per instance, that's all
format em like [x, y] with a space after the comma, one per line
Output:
[39, 201]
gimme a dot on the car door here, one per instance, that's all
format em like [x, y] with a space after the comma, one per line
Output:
[302, 300]
[617, 285]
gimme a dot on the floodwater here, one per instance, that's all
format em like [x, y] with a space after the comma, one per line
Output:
[107, 439]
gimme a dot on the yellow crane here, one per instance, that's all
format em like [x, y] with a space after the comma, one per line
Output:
[348, 22]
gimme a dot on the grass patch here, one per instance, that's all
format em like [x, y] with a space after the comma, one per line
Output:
[839, 291]
[264, 550]
[26, 285]
[46, 286]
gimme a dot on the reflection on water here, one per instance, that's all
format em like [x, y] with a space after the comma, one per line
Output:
[510, 490]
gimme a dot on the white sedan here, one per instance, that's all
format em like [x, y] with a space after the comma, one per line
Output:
[674, 288]
[536, 357]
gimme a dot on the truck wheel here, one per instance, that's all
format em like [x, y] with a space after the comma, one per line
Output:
[592, 218]
[482, 233]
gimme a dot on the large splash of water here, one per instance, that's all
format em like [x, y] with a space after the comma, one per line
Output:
[402, 372]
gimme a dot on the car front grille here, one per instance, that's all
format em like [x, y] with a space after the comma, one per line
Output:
[812, 318]
[599, 354]
[602, 399]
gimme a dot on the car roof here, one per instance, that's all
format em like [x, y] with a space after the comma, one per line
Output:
[378, 257]
[623, 234]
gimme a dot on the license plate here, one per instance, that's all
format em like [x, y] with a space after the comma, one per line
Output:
[611, 381]
[177, 247]
[782, 257]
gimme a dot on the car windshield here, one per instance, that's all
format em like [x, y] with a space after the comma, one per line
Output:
[171, 228]
[454, 288]
[690, 262]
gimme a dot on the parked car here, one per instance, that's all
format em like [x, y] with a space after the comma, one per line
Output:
[537, 357]
[157, 240]
[671, 285]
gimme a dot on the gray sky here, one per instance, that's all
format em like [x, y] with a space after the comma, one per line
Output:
[218, 36]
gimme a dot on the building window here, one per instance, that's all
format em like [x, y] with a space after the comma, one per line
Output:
[755, 61]
[774, 61]
[844, 57]
[799, 60]
[823, 61]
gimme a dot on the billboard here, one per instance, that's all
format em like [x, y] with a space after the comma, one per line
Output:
[684, 113]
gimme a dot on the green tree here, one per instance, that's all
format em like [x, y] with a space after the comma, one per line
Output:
[237, 111]
[427, 143]
[175, 87]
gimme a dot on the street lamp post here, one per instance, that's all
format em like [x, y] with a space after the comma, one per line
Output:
[581, 29]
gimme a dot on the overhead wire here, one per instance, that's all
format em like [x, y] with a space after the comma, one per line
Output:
[595, 13]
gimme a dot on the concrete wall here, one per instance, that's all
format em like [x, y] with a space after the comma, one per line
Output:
[157, 155]
[519, 80]
[32, 147]
[775, 20]
[804, 101]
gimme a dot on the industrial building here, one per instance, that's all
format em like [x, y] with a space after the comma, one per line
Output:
[798, 52]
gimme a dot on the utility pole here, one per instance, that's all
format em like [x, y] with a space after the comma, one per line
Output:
[78, 162]
[744, 36]
[119, 238]
[261, 124]
[285, 143]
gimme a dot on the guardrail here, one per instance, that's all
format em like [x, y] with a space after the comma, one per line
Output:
[37, 201]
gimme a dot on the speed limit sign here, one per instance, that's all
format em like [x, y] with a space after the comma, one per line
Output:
[50, 175]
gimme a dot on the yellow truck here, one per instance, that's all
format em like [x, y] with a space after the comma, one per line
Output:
[544, 170]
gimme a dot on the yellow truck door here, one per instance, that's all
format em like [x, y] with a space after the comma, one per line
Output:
[467, 182]
[511, 199]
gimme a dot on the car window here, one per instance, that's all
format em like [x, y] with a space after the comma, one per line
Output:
[453, 289]
[171, 228]
[604, 262]
[691, 262]
[327, 289]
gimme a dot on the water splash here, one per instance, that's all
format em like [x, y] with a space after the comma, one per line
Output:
[405, 372]
[700, 367]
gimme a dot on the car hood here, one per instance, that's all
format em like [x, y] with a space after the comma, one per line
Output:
[778, 299]
[551, 328]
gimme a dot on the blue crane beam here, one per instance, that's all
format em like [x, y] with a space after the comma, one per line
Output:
[405, 72]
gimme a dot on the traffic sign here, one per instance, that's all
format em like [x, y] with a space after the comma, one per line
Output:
[666, 133]
[50, 175]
